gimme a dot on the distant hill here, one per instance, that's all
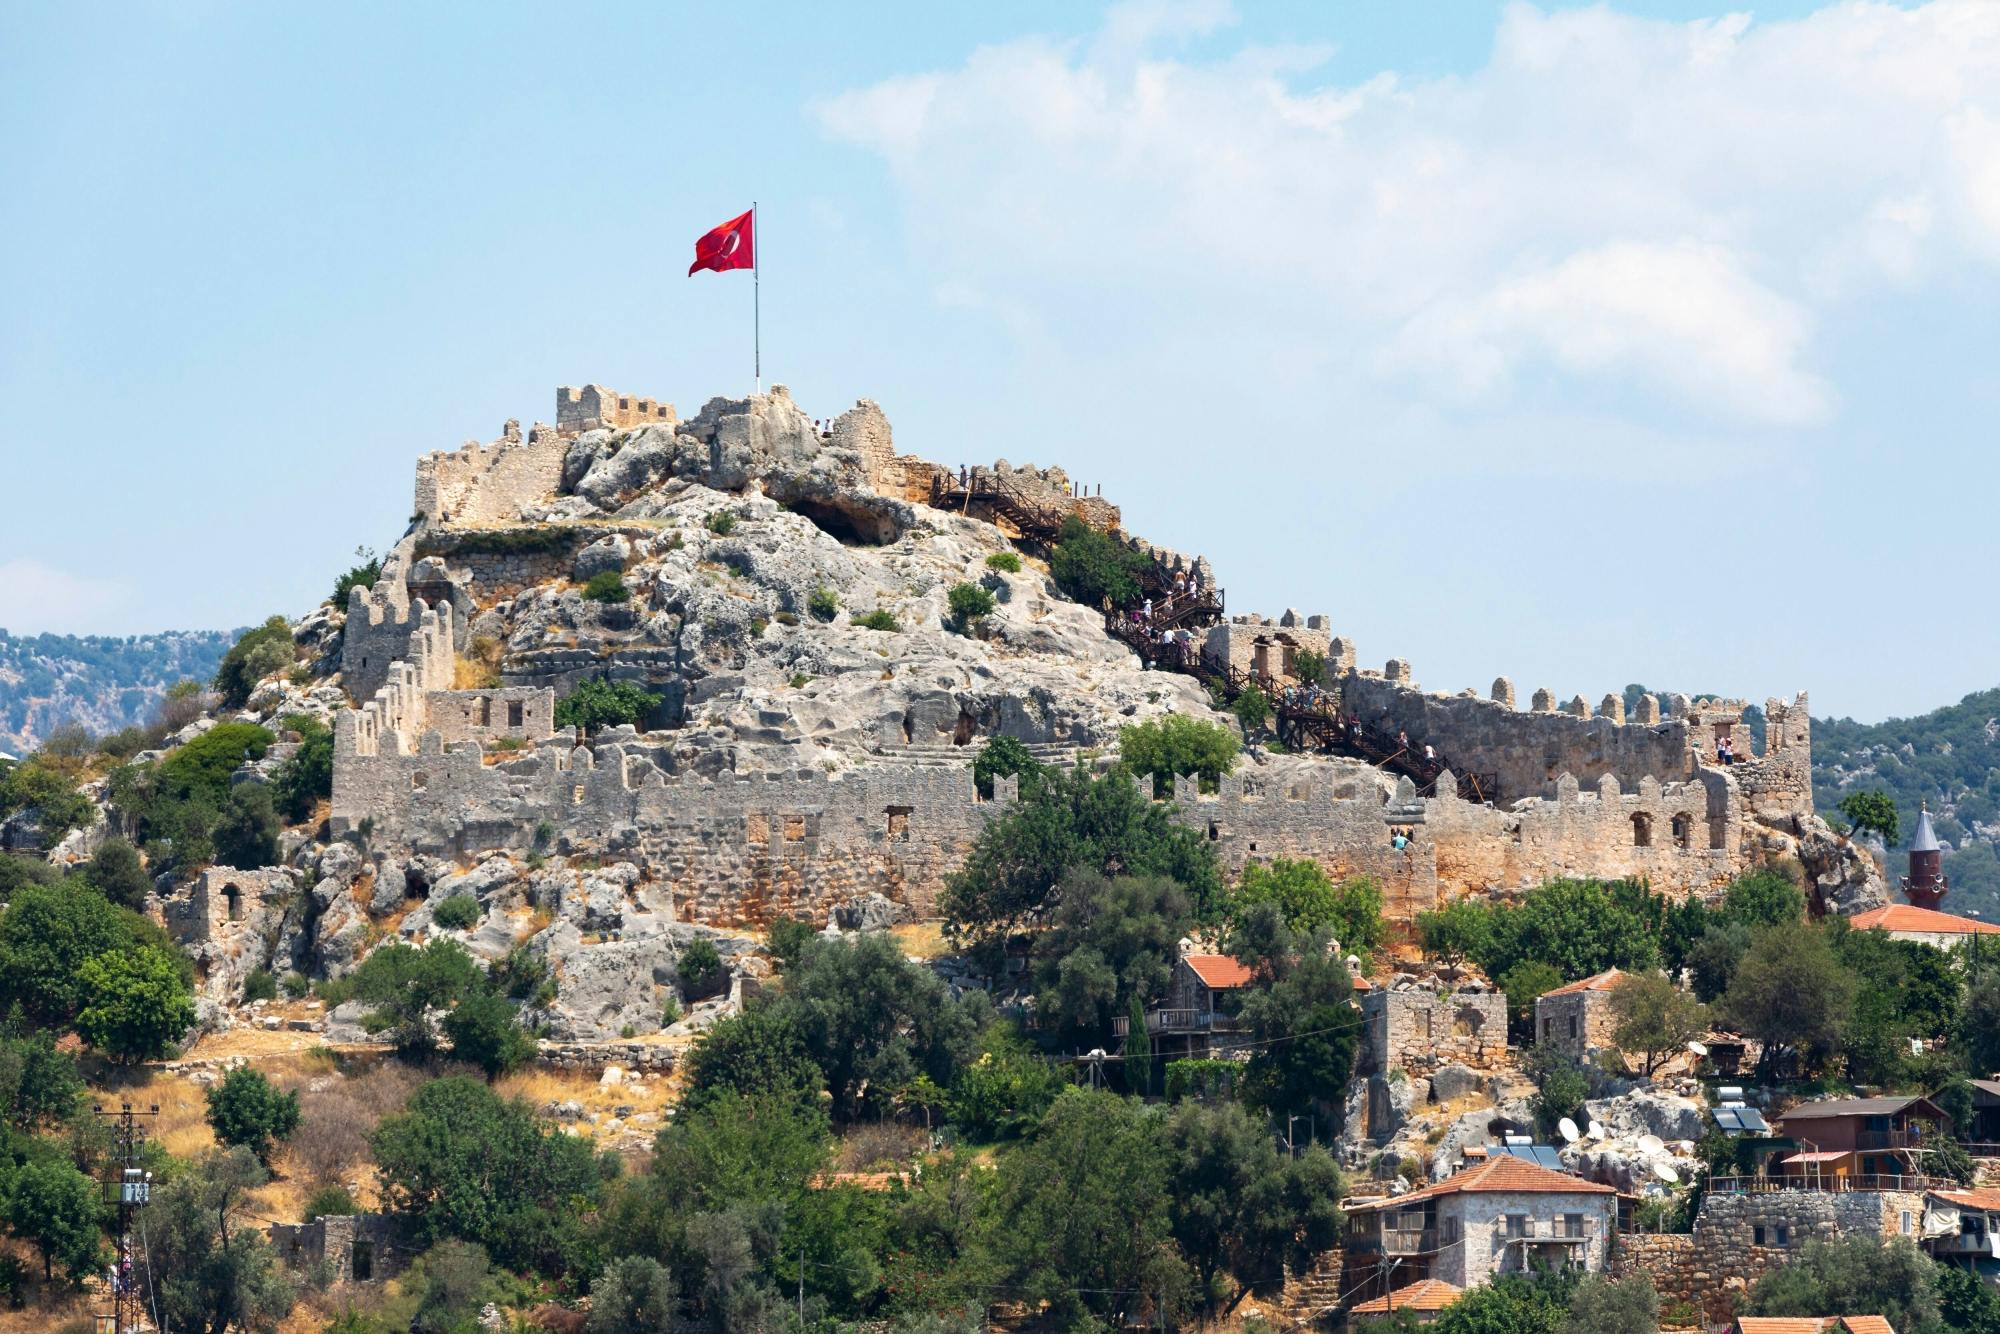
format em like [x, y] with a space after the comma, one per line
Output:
[100, 682]
[1949, 757]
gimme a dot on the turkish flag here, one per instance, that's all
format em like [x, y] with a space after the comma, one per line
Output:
[729, 246]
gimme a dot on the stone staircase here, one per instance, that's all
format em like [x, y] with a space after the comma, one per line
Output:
[1308, 1297]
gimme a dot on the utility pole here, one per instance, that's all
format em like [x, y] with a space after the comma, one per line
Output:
[131, 1189]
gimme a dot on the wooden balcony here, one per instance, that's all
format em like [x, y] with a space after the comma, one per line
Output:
[1181, 1021]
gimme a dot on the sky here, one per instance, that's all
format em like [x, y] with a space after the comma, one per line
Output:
[1581, 345]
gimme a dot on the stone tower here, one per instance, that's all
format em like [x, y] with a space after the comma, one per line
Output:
[1925, 885]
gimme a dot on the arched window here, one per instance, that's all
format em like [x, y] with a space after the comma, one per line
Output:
[1642, 830]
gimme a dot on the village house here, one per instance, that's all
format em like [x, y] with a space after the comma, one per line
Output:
[1202, 1000]
[1982, 1137]
[1577, 1019]
[1812, 1324]
[1504, 1216]
[1861, 1143]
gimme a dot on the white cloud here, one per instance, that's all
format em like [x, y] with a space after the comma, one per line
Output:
[1650, 220]
[37, 598]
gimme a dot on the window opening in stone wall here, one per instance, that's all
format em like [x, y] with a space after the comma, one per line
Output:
[233, 897]
[1683, 830]
[795, 829]
[1572, 1025]
[1572, 1225]
[1642, 830]
[576, 795]
[363, 1260]
[899, 823]
[419, 780]
[1784, 1235]
[1757, 1235]
[514, 712]
[486, 710]
[1214, 831]
[757, 828]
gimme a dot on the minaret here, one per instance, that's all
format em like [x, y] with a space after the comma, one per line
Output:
[1925, 885]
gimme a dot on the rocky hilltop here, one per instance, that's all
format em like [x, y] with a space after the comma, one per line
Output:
[804, 637]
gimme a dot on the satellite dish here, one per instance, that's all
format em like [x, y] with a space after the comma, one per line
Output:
[1698, 1048]
[1596, 1130]
[1650, 1144]
[1664, 1170]
[1568, 1129]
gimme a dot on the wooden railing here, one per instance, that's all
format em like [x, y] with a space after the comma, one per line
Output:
[1180, 1021]
[1744, 1185]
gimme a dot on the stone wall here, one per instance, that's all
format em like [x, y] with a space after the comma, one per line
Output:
[357, 1248]
[593, 407]
[594, 1056]
[1575, 1022]
[1420, 1029]
[1526, 751]
[492, 483]
[1263, 647]
[230, 922]
[1483, 1251]
[474, 715]
[1711, 1266]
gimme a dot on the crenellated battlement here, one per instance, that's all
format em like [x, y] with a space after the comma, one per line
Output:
[593, 407]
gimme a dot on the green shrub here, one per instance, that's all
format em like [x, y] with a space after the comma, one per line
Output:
[1095, 568]
[600, 703]
[331, 1202]
[260, 985]
[788, 939]
[201, 770]
[500, 542]
[606, 586]
[670, 1013]
[969, 603]
[247, 1109]
[295, 985]
[700, 968]
[367, 570]
[307, 777]
[722, 523]
[876, 620]
[260, 652]
[1004, 560]
[246, 836]
[457, 913]
[116, 873]
[48, 789]
[823, 605]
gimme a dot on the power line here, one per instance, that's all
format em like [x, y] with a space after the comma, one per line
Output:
[131, 1189]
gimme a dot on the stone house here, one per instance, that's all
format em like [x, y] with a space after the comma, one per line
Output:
[1577, 1019]
[1202, 999]
[1504, 1216]
[1418, 1028]
[1861, 1143]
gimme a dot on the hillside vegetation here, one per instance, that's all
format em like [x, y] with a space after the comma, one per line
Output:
[99, 682]
[1950, 758]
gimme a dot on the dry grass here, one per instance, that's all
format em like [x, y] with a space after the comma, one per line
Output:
[922, 940]
[540, 1087]
[337, 1114]
[881, 1147]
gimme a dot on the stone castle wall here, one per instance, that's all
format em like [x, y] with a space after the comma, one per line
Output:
[593, 406]
[482, 484]
[1263, 647]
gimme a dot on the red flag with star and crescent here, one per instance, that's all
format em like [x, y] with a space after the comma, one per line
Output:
[730, 246]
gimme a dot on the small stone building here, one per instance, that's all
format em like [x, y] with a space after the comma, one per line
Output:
[1259, 646]
[356, 1248]
[1418, 1028]
[1576, 1019]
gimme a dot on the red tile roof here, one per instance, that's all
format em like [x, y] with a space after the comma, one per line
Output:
[1909, 917]
[1218, 972]
[1983, 1197]
[1503, 1174]
[1426, 1294]
[1813, 1324]
[1604, 981]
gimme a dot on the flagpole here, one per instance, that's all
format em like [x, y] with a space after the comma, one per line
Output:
[756, 298]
